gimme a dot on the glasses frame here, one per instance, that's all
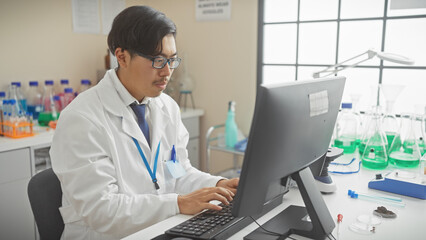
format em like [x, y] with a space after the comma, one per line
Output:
[165, 60]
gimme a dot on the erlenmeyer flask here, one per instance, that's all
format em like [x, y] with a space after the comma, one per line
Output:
[365, 134]
[404, 151]
[374, 155]
[390, 123]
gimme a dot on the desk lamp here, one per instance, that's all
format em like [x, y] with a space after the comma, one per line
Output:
[371, 53]
[324, 181]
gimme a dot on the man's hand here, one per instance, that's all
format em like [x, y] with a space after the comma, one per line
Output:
[199, 200]
[230, 184]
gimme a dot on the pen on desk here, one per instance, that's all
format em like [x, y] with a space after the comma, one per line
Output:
[173, 157]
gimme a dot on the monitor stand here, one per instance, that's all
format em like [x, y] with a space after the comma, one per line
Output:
[294, 219]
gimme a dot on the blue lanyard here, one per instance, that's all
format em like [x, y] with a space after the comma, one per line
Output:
[151, 173]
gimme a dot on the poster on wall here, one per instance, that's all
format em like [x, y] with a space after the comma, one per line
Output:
[85, 16]
[110, 9]
[213, 10]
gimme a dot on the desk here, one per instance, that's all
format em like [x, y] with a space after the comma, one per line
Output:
[409, 224]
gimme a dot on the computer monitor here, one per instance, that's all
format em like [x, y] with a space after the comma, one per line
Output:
[291, 129]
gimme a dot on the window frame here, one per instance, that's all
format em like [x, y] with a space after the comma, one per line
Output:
[296, 64]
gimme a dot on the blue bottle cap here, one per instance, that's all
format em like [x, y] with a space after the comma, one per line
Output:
[12, 101]
[68, 90]
[18, 84]
[2, 94]
[48, 82]
[347, 105]
[85, 81]
[56, 98]
[64, 81]
[33, 83]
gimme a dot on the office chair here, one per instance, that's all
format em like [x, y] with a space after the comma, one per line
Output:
[45, 195]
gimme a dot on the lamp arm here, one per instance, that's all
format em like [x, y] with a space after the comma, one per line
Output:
[337, 67]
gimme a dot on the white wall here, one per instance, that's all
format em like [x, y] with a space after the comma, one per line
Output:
[38, 44]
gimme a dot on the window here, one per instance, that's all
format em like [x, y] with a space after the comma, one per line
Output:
[299, 37]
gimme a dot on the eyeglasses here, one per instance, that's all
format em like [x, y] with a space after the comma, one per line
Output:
[159, 62]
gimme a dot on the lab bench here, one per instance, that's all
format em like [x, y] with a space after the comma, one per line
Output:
[22, 158]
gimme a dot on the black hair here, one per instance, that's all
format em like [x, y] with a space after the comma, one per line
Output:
[140, 29]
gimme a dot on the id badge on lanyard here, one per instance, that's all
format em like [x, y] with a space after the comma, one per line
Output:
[153, 172]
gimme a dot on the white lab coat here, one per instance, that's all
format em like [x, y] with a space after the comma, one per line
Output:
[107, 190]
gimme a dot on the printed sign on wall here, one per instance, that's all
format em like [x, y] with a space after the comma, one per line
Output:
[212, 10]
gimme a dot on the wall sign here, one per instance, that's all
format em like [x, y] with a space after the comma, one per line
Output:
[212, 10]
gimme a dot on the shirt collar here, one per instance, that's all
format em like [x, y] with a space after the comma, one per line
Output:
[125, 95]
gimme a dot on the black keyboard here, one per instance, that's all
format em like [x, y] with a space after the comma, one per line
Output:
[211, 224]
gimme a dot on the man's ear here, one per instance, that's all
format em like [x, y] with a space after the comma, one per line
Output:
[122, 57]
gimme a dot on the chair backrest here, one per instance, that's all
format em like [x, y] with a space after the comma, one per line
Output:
[45, 195]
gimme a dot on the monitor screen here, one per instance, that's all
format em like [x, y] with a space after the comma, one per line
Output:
[291, 129]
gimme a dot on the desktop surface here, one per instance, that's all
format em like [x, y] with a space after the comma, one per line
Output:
[409, 223]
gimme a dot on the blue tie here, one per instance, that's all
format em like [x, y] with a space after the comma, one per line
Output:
[140, 114]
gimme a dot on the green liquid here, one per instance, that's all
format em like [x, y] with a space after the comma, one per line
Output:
[347, 144]
[376, 159]
[390, 136]
[409, 147]
[361, 147]
[45, 117]
[403, 160]
[422, 147]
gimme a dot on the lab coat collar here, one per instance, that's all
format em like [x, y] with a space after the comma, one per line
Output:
[114, 104]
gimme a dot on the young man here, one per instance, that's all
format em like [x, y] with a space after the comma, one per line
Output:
[120, 147]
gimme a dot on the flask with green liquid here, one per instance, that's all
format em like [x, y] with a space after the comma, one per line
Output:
[404, 151]
[375, 155]
[346, 129]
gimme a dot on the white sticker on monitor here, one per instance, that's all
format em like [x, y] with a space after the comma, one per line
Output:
[318, 103]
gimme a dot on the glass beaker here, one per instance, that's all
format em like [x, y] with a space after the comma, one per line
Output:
[390, 123]
[375, 155]
[404, 151]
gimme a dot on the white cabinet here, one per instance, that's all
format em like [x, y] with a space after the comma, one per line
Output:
[191, 120]
[16, 218]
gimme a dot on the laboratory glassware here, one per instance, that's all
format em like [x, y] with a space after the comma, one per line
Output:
[84, 85]
[390, 123]
[422, 143]
[21, 100]
[61, 92]
[355, 98]
[49, 112]
[375, 155]
[13, 94]
[231, 130]
[346, 129]
[365, 134]
[34, 99]
[404, 151]
[68, 97]
[2, 97]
